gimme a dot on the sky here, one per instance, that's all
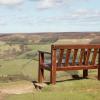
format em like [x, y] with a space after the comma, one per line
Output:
[18, 16]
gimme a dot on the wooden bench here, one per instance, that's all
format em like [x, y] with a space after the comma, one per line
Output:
[70, 57]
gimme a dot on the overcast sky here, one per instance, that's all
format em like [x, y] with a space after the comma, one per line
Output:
[49, 15]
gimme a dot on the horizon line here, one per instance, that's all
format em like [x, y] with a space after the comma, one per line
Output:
[50, 32]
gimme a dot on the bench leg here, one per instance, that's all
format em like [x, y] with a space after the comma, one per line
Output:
[53, 77]
[98, 73]
[99, 66]
[40, 75]
[85, 73]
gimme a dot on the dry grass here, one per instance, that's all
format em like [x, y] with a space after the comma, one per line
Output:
[73, 41]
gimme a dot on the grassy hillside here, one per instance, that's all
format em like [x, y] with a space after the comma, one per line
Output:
[19, 67]
[23, 62]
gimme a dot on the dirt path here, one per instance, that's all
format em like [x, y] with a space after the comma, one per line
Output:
[15, 88]
[1, 96]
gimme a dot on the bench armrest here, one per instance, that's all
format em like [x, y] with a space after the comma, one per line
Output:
[44, 52]
[42, 57]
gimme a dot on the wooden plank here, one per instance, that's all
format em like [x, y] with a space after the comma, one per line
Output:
[44, 52]
[74, 56]
[40, 75]
[87, 56]
[41, 69]
[67, 56]
[82, 52]
[53, 67]
[60, 57]
[99, 65]
[63, 68]
[85, 73]
[94, 56]
[78, 46]
[41, 58]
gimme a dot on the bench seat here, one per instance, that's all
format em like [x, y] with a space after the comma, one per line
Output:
[63, 68]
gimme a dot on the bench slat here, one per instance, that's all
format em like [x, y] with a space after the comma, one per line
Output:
[87, 56]
[74, 56]
[67, 56]
[82, 52]
[94, 56]
[60, 57]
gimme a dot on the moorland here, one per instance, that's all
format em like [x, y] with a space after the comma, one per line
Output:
[19, 67]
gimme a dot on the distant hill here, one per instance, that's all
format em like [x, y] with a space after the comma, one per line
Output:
[43, 37]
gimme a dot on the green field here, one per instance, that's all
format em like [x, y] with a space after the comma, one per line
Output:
[19, 66]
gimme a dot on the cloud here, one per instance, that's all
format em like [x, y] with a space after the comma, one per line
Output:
[45, 4]
[10, 2]
[82, 16]
[86, 13]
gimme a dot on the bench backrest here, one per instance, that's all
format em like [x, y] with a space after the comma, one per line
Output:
[65, 55]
